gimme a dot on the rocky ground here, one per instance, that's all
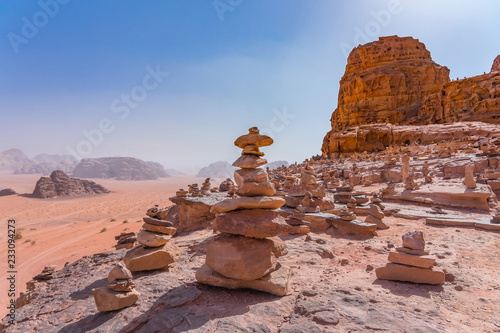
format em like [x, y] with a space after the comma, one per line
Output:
[332, 289]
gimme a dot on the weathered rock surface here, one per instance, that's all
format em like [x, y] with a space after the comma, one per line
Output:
[274, 283]
[414, 240]
[120, 168]
[394, 81]
[152, 239]
[386, 81]
[257, 223]
[496, 64]
[355, 227]
[110, 300]
[192, 213]
[247, 203]
[59, 185]
[244, 258]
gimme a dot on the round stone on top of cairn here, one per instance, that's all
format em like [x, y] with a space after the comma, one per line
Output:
[245, 253]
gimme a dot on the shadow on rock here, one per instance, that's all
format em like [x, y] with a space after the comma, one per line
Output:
[89, 323]
[87, 292]
[408, 289]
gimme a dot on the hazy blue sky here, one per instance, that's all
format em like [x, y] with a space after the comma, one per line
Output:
[72, 66]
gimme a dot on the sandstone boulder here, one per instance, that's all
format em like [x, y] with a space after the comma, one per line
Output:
[145, 259]
[110, 300]
[152, 239]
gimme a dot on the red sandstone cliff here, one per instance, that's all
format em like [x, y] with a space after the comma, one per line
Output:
[395, 81]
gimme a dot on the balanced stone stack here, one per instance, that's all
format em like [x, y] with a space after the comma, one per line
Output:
[119, 293]
[155, 251]
[375, 216]
[205, 187]
[226, 185]
[46, 274]
[181, 193]
[411, 263]
[244, 254]
[125, 240]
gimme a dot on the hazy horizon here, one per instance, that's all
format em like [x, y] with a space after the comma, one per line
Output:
[177, 82]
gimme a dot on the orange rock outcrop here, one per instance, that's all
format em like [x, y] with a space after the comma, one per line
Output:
[496, 64]
[395, 81]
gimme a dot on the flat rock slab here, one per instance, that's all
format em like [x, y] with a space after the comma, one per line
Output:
[247, 203]
[410, 274]
[411, 260]
[318, 221]
[487, 225]
[157, 222]
[354, 227]
[375, 220]
[149, 258]
[257, 223]
[110, 300]
[275, 283]
[450, 222]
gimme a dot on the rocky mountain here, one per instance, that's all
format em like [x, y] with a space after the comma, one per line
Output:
[277, 164]
[17, 161]
[395, 81]
[220, 169]
[13, 159]
[59, 185]
[121, 168]
[496, 64]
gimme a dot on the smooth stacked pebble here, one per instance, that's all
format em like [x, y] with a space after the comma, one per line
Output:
[125, 240]
[375, 216]
[119, 293]
[244, 254]
[155, 251]
[411, 263]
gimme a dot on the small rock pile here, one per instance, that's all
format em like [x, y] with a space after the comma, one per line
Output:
[46, 273]
[411, 263]
[375, 216]
[125, 240]
[205, 187]
[119, 292]
[226, 185]
[245, 254]
[155, 251]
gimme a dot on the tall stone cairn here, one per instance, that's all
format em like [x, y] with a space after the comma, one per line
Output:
[245, 253]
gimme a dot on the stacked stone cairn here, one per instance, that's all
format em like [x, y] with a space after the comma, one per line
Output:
[46, 274]
[205, 187]
[155, 251]
[245, 253]
[125, 240]
[411, 263]
[226, 185]
[119, 293]
[375, 216]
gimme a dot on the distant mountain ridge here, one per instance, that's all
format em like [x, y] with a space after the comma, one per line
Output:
[120, 168]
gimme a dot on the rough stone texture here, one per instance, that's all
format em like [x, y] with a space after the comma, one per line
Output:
[257, 223]
[375, 220]
[411, 260]
[249, 162]
[247, 203]
[60, 185]
[146, 259]
[244, 258]
[121, 168]
[119, 272]
[496, 64]
[274, 283]
[110, 300]
[410, 274]
[376, 137]
[386, 81]
[394, 81]
[414, 240]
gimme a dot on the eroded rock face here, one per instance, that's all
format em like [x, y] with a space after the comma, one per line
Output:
[121, 168]
[386, 81]
[59, 184]
[395, 81]
[496, 64]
